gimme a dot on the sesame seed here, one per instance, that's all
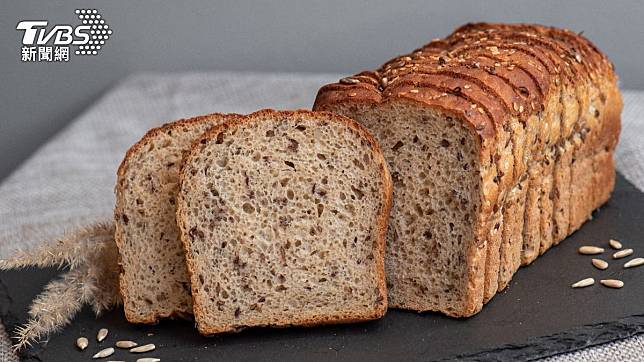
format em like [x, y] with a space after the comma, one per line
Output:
[413, 91]
[352, 94]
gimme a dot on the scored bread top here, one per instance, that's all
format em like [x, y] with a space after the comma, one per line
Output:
[481, 72]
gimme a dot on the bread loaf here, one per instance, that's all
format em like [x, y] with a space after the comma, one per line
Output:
[500, 141]
[283, 217]
[154, 279]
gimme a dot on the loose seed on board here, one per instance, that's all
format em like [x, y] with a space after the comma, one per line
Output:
[614, 244]
[590, 250]
[102, 334]
[82, 343]
[143, 349]
[126, 344]
[584, 283]
[634, 262]
[104, 353]
[612, 283]
[148, 359]
[600, 264]
[622, 253]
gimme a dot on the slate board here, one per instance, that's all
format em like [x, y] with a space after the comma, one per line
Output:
[539, 315]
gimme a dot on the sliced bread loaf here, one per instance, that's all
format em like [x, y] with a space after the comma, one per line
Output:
[154, 280]
[283, 218]
[500, 140]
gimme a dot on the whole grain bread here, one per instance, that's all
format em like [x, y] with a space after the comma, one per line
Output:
[283, 217]
[154, 279]
[500, 141]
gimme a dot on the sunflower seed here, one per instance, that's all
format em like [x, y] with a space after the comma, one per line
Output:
[614, 244]
[126, 344]
[612, 283]
[102, 334]
[590, 250]
[143, 349]
[82, 343]
[600, 264]
[148, 359]
[622, 253]
[104, 353]
[349, 80]
[584, 283]
[634, 262]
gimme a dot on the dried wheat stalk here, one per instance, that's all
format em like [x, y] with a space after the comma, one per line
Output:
[71, 250]
[91, 256]
[54, 307]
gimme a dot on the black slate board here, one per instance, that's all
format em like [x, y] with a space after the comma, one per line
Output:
[539, 315]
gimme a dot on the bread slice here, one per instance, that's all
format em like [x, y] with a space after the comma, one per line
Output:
[154, 279]
[283, 218]
[499, 139]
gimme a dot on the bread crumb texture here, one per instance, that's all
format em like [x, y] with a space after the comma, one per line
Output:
[283, 216]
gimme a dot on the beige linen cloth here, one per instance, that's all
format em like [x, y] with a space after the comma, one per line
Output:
[69, 181]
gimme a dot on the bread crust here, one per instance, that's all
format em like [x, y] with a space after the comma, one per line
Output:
[544, 78]
[379, 244]
[132, 153]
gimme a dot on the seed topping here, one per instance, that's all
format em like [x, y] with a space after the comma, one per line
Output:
[349, 80]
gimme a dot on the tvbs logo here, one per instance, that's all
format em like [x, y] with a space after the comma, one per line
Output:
[40, 42]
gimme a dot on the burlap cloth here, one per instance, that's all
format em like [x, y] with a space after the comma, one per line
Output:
[69, 181]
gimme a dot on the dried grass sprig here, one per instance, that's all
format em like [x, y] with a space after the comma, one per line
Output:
[91, 255]
[54, 307]
[103, 272]
[71, 250]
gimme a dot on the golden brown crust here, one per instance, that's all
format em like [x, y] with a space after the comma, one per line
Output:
[522, 56]
[542, 77]
[379, 244]
[130, 155]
